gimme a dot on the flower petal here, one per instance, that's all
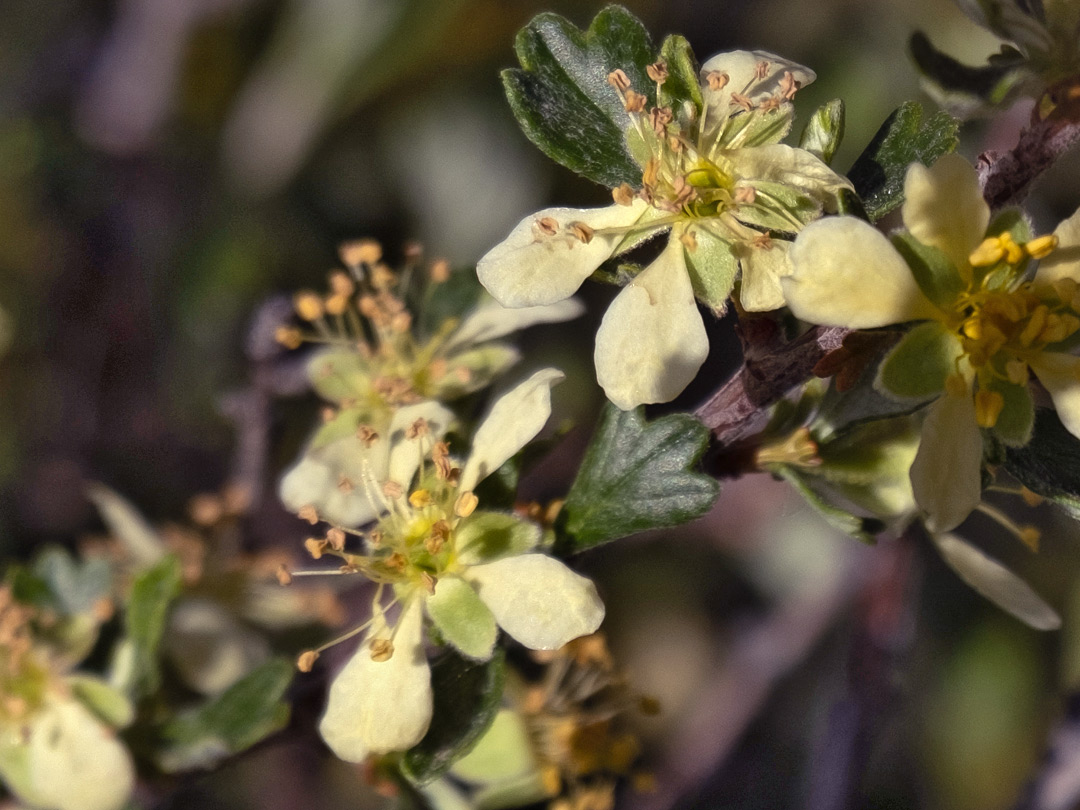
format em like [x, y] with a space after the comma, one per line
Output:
[1064, 262]
[846, 273]
[462, 618]
[651, 342]
[492, 320]
[762, 269]
[379, 706]
[515, 418]
[332, 479]
[780, 163]
[405, 453]
[742, 70]
[538, 600]
[533, 268]
[1060, 375]
[944, 207]
[946, 475]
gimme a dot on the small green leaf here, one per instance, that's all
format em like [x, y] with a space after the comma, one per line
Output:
[246, 713]
[682, 81]
[561, 96]
[1049, 464]
[936, 276]
[462, 618]
[148, 606]
[919, 364]
[712, 268]
[904, 138]
[467, 698]
[489, 536]
[1017, 418]
[636, 476]
[824, 131]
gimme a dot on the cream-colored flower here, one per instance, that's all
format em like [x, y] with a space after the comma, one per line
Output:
[725, 189]
[984, 325]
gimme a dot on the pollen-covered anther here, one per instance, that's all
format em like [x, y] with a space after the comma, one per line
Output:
[439, 271]
[428, 582]
[1058, 327]
[307, 660]
[382, 277]
[341, 284]
[761, 70]
[1041, 246]
[743, 101]
[289, 337]
[420, 499]
[623, 194]
[689, 240]
[788, 85]
[988, 253]
[1017, 372]
[382, 649]
[309, 514]
[658, 72]
[367, 435]
[659, 118]
[308, 305]
[717, 80]
[284, 576]
[465, 504]
[375, 538]
[581, 231]
[360, 251]
[440, 457]
[619, 80]
[437, 538]
[650, 173]
[337, 305]
[417, 429]
[546, 226]
[315, 547]
[401, 322]
[345, 485]
[396, 561]
[634, 102]
[988, 407]
[1013, 252]
[335, 537]
[1035, 325]
[393, 490]
[745, 195]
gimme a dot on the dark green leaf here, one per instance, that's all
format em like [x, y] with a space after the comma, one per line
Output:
[824, 131]
[682, 81]
[989, 84]
[904, 138]
[561, 96]
[246, 713]
[636, 476]
[467, 697]
[1050, 463]
[148, 606]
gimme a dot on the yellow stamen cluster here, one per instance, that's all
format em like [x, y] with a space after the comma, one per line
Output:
[23, 676]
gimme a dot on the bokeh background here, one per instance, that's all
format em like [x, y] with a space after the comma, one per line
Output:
[167, 167]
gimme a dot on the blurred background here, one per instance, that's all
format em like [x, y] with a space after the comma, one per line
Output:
[168, 166]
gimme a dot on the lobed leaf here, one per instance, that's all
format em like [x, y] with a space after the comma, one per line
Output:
[1049, 464]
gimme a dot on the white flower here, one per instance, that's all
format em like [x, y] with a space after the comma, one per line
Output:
[720, 189]
[469, 570]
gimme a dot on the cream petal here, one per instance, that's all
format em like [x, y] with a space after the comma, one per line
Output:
[530, 268]
[405, 453]
[762, 269]
[741, 68]
[1064, 262]
[651, 341]
[780, 163]
[492, 320]
[375, 707]
[944, 207]
[846, 273]
[1060, 375]
[538, 600]
[946, 475]
[515, 418]
[317, 480]
[75, 762]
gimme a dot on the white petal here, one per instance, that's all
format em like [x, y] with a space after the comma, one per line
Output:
[780, 163]
[376, 707]
[319, 479]
[492, 320]
[846, 273]
[1064, 262]
[530, 268]
[1060, 375]
[405, 453]
[515, 418]
[75, 762]
[741, 68]
[651, 342]
[997, 583]
[946, 475]
[762, 269]
[944, 207]
[538, 600]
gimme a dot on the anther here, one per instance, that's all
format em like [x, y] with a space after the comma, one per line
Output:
[307, 660]
[465, 504]
[988, 407]
[309, 514]
[337, 304]
[634, 102]
[393, 490]
[345, 485]
[1013, 252]
[547, 226]
[742, 101]
[288, 336]
[761, 70]
[420, 499]
[440, 271]
[284, 577]
[428, 582]
[382, 649]
[956, 386]
[988, 253]
[788, 85]
[336, 539]
[1041, 247]
[308, 306]
[658, 72]
[581, 231]
[745, 195]
[417, 429]
[341, 284]
[315, 547]
[1035, 325]
[619, 80]
[717, 80]
[623, 195]
[360, 251]
[1017, 372]
[367, 435]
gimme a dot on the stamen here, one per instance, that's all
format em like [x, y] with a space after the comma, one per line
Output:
[988, 253]
[988, 407]
[1041, 247]
[1028, 535]
[658, 72]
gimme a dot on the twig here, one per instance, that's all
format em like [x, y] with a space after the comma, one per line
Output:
[1007, 178]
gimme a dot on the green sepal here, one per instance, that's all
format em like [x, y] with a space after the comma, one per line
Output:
[467, 697]
[682, 83]
[936, 276]
[343, 424]
[917, 367]
[861, 528]
[905, 138]
[636, 476]
[246, 713]
[504, 752]
[561, 97]
[488, 536]
[109, 704]
[462, 618]
[1049, 464]
[151, 594]
[824, 131]
[339, 375]
[712, 268]
[1017, 419]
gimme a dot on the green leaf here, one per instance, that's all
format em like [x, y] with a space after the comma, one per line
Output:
[712, 267]
[936, 276]
[462, 618]
[861, 528]
[339, 375]
[467, 698]
[561, 97]
[991, 84]
[919, 364]
[1017, 418]
[682, 81]
[148, 606]
[109, 704]
[75, 585]
[636, 476]
[1049, 464]
[824, 131]
[245, 714]
[904, 138]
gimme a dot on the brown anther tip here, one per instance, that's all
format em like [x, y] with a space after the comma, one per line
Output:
[336, 538]
[382, 649]
[717, 80]
[1030, 498]
[345, 485]
[206, 509]
[634, 102]
[428, 582]
[393, 490]
[360, 251]
[439, 271]
[619, 80]
[581, 231]
[548, 226]
[623, 195]
[315, 547]
[658, 72]
[337, 304]
[309, 514]
[367, 435]
[417, 429]
[307, 660]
